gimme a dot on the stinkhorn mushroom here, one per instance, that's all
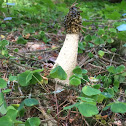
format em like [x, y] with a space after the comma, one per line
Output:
[67, 57]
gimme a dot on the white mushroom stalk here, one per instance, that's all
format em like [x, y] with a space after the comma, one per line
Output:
[67, 57]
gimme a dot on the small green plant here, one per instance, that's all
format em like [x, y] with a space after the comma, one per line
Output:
[104, 34]
[13, 112]
[30, 77]
[21, 40]
[75, 79]
[3, 49]
[91, 95]
[101, 53]
[59, 73]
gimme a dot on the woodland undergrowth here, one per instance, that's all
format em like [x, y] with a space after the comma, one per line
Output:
[31, 35]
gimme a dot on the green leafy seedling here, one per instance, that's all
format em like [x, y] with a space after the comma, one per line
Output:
[89, 91]
[31, 102]
[101, 53]
[3, 83]
[34, 121]
[87, 109]
[24, 78]
[59, 73]
[77, 70]
[75, 81]
[21, 40]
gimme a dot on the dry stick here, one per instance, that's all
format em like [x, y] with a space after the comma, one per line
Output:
[110, 61]
[45, 94]
[101, 72]
[57, 106]
[62, 103]
[52, 34]
[46, 50]
[26, 57]
[85, 121]
[48, 116]
[99, 122]
[51, 121]
[115, 54]
[32, 96]
[101, 20]
[20, 90]
[68, 116]
[96, 66]
[122, 59]
[66, 86]
[46, 120]
[23, 66]
[100, 62]
[83, 62]
[96, 124]
[86, 62]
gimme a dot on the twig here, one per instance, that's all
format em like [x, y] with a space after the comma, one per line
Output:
[25, 57]
[45, 94]
[85, 121]
[101, 72]
[66, 86]
[110, 61]
[97, 66]
[107, 51]
[57, 108]
[45, 50]
[49, 118]
[39, 82]
[23, 66]
[20, 90]
[83, 61]
[99, 121]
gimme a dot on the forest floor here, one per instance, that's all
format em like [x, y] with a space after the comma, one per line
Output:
[28, 52]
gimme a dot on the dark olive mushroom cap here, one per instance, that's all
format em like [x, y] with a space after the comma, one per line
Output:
[72, 21]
